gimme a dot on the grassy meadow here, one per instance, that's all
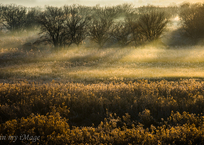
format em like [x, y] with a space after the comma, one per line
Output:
[90, 64]
[150, 94]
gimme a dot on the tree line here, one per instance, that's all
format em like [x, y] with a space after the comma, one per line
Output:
[121, 24]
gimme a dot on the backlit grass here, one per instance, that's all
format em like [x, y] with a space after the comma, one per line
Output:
[86, 95]
[92, 63]
[140, 112]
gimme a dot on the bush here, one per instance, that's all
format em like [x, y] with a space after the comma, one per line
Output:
[48, 129]
[140, 112]
[88, 103]
[53, 129]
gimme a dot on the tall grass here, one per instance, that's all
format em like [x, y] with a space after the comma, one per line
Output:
[88, 95]
[142, 112]
[80, 64]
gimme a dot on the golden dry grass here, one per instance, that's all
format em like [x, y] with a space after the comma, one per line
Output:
[80, 64]
[121, 91]
[141, 112]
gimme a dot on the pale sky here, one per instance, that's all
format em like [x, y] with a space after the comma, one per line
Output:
[94, 2]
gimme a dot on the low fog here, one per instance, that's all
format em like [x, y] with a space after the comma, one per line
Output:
[118, 74]
[172, 54]
[41, 3]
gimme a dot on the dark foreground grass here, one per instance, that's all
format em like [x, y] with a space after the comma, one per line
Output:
[139, 112]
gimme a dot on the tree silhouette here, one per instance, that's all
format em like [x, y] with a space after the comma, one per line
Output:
[152, 24]
[52, 26]
[131, 21]
[31, 18]
[121, 33]
[76, 25]
[63, 26]
[192, 19]
[13, 17]
[100, 27]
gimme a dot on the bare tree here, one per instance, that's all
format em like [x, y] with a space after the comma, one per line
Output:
[1, 19]
[52, 26]
[64, 26]
[192, 19]
[99, 29]
[131, 21]
[31, 18]
[121, 33]
[152, 24]
[124, 9]
[77, 20]
[13, 17]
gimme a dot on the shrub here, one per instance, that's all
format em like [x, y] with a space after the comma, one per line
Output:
[48, 129]
[53, 129]
[89, 103]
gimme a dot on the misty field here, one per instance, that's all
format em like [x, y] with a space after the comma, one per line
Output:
[90, 64]
[151, 94]
[74, 90]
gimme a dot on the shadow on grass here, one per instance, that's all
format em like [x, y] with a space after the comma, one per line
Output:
[178, 38]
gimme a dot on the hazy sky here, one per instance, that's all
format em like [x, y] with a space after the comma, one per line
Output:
[93, 2]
